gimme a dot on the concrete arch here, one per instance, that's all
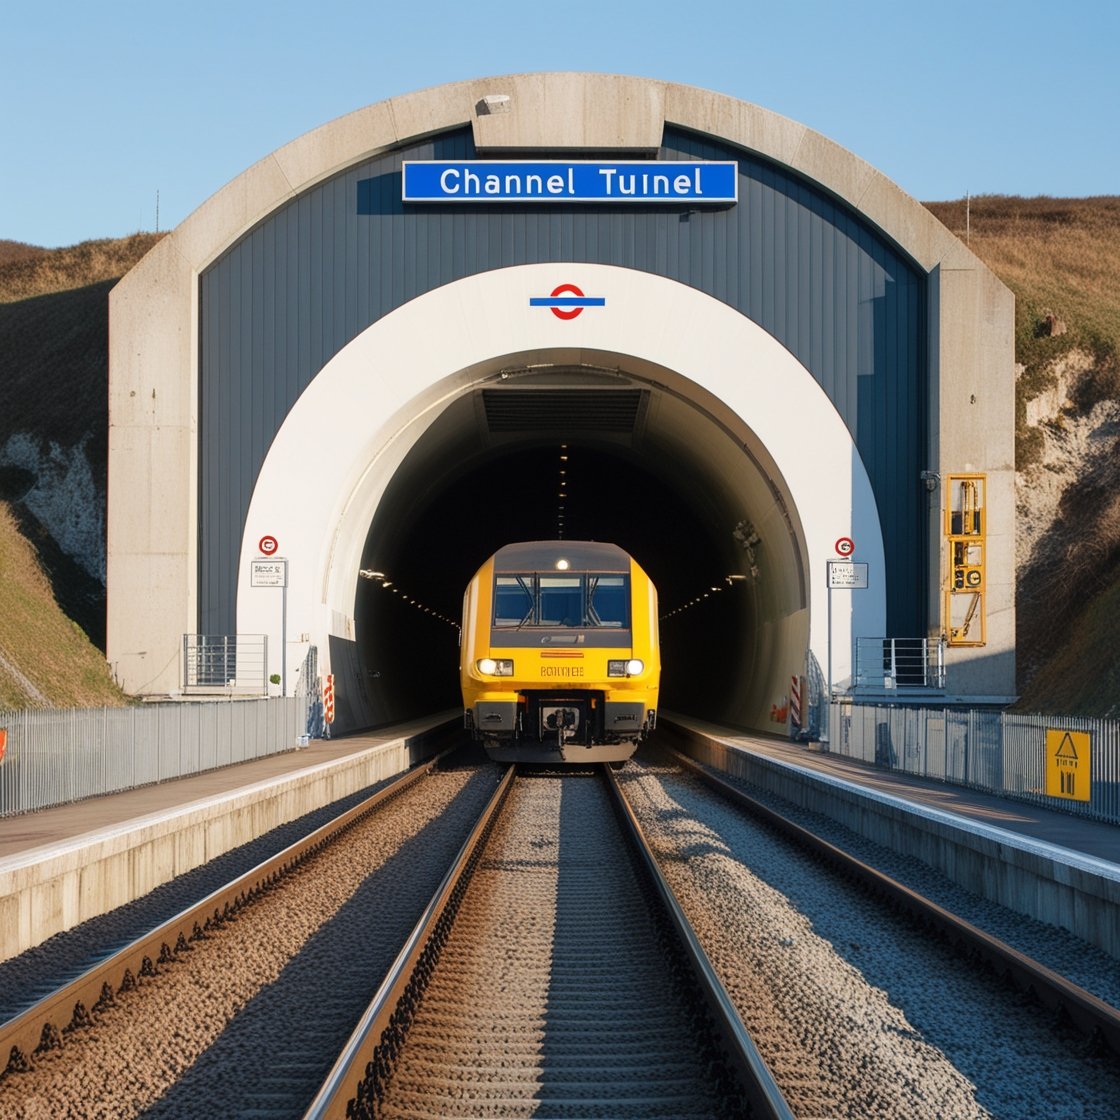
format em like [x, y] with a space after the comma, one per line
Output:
[402, 373]
[154, 410]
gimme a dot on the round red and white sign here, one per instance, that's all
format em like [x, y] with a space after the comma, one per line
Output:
[845, 546]
[268, 545]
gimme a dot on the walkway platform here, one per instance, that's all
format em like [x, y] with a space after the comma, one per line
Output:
[63, 865]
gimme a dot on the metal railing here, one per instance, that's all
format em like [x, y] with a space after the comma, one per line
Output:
[892, 663]
[56, 756]
[233, 663]
[1000, 752]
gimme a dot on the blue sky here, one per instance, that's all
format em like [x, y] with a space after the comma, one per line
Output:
[104, 105]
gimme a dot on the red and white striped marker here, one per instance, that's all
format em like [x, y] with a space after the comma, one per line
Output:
[328, 698]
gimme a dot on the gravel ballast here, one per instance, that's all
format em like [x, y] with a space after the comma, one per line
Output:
[880, 1019]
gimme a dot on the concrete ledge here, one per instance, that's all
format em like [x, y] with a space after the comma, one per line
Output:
[1054, 885]
[52, 888]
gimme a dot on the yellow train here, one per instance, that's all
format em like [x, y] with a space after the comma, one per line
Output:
[559, 653]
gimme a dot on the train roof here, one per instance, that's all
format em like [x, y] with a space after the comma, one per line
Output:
[595, 556]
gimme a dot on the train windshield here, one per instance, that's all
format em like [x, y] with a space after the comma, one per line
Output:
[581, 600]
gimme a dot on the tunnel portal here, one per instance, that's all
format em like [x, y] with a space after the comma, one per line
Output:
[763, 358]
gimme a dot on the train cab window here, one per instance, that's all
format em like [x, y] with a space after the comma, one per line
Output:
[572, 600]
[561, 601]
[608, 601]
[513, 600]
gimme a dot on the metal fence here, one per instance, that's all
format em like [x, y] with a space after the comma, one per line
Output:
[899, 663]
[1000, 752]
[233, 663]
[56, 756]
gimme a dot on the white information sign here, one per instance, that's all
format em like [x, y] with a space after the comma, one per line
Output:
[269, 573]
[846, 575]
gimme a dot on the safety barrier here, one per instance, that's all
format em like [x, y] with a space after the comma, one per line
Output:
[1001, 752]
[230, 663]
[899, 663]
[55, 756]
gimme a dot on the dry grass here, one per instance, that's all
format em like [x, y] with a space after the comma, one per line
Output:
[1060, 256]
[17, 251]
[63, 668]
[26, 272]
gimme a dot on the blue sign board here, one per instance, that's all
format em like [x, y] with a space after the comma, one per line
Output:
[645, 181]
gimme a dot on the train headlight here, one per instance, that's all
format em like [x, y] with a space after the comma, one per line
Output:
[491, 667]
[629, 668]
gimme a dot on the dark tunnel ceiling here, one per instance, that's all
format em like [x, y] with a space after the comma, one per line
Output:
[514, 495]
[455, 501]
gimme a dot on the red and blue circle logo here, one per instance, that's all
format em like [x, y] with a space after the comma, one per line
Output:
[567, 301]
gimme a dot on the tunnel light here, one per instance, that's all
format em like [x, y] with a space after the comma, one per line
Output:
[369, 573]
[734, 576]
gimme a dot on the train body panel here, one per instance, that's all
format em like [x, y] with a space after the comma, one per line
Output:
[560, 658]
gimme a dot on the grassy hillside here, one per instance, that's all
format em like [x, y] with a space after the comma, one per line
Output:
[54, 332]
[45, 659]
[1061, 258]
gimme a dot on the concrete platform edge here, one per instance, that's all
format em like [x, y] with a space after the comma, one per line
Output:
[52, 888]
[1053, 885]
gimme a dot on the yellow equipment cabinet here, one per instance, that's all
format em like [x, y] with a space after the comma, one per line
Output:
[965, 529]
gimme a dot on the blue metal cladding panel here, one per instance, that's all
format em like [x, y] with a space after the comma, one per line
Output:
[318, 271]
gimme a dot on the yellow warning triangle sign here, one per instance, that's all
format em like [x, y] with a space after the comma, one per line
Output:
[1066, 749]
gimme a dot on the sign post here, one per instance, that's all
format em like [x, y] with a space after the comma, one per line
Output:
[847, 575]
[274, 573]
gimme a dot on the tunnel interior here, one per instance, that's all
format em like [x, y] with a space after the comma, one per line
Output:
[578, 457]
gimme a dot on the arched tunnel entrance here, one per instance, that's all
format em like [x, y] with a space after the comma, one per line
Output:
[686, 446]
[582, 455]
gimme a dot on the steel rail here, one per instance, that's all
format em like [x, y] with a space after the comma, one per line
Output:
[41, 1026]
[1086, 1011]
[362, 1068]
[758, 1087]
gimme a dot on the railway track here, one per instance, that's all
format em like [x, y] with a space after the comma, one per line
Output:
[552, 975]
[526, 986]
[274, 967]
[891, 1005]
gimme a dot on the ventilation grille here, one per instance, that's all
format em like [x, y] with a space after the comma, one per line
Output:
[562, 410]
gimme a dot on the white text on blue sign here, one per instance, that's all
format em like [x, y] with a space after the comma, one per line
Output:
[558, 181]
